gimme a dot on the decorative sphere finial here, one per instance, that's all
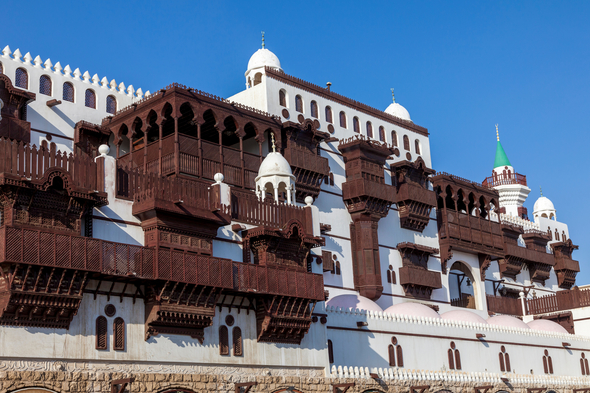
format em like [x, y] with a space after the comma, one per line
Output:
[497, 134]
[392, 95]
[104, 150]
[218, 178]
[262, 39]
[308, 200]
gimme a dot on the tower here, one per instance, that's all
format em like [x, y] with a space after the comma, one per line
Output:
[511, 186]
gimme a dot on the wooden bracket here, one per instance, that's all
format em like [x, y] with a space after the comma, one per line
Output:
[52, 103]
[119, 385]
[341, 387]
[419, 389]
[482, 389]
[246, 385]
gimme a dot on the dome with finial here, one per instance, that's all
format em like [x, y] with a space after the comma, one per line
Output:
[544, 208]
[274, 164]
[397, 110]
[275, 176]
[263, 57]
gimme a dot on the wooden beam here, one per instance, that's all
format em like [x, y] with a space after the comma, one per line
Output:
[246, 385]
[341, 387]
[121, 383]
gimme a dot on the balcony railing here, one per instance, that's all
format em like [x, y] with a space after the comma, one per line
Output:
[36, 247]
[470, 232]
[504, 305]
[504, 179]
[559, 301]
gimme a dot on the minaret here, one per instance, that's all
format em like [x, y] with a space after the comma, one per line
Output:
[511, 185]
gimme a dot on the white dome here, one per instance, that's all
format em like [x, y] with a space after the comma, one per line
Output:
[264, 57]
[274, 165]
[397, 110]
[354, 301]
[412, 309]
[543, 204]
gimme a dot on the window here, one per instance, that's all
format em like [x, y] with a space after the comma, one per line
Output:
[101, 333]
[237, 341]
[257, 78]
[393, 138]
[342, 119]
[406, 143]
[547, 363]
[331, 352]
[111, 105]
[282, 98]
[369, 129]
[563, 238]
[391, 275]
[454, 357]
[329, 114]
[396, 356]
[90, 100]
[298, 104]
[45, 85]
[21, 78]
[223, 341]
[1, 69]
[504, 360]
[355, 124]
[382, 134]
[556, 234]
[337, 268]
[314, 109]
[584, 365]
[119, 334]
[68, 94]
[417, 146]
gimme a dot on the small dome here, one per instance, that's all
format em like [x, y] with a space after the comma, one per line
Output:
[508, 321]
[274, 165]
[354, 301]
[547, 326]
[543, 204]
[464, 316]
[264, 57]
[412, 309]
[397, 110]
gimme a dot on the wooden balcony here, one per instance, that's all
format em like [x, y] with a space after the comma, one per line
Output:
[565, 267]
[560, 301]
[14, 125]
[470, 233]
[362, 194]
[309, 169]
[504, 179]
[419, 283]
[504, 305]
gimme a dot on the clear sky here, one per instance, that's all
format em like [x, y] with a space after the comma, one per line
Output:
[458, 67]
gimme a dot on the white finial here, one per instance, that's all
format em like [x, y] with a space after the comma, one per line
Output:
[104, 150]
[113, 85]
[218, 177]
[48, 64]
[77, 74]
[57, 68]
[86, 76]
[392, 95]
[308, 200]
[104, 82]
[272, 138]
[6, 51]
[27, 59]
[95, 79]
[17, 55]
[38, 61]
[67, 70]
[497, 134]
[263, 40]
[540, 188]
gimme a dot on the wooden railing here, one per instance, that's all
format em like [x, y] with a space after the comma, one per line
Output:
[28, 162]
[366, 188]
[504, 305]
[504, 179]
[247, 208]
[35, 247]
[559, 301]
[305, 159]
[470, 232]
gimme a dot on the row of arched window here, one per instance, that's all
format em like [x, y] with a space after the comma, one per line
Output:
[238, 349]
[344, 124]
[21, 79]
[102, 336]
[556, 236]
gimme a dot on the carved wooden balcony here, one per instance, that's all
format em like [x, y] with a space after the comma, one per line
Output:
[413, 198]
[504, 305]
[565, 267]
[559, 301]
[535, 256]
[14, 124]
[415, 278]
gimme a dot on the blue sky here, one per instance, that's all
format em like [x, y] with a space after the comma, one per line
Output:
[458, 67]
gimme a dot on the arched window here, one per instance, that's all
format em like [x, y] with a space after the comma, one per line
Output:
[547, 363]
[68, 94]
[237, 341]
[101, 333]
[396, 356]
[45, 85]
[454, 357]
[298, 103]
[257, 78]
[417, 146]
[119, 334]
[223, 341]
[331, 178]
[1, 69]
[504, 360]
[90, 99]
[314, 109]
[391, 351]
[337, 268]
[556, 234]
[393, 138]
[584, 365]
[21, 78]
[330, 351]
[282, 98]
[355, 124]
[563, 238]
[382, 134]
[391, 275]
[111, 105]
[329, 114]
[369, 129]
[406, 143]
[342, 119]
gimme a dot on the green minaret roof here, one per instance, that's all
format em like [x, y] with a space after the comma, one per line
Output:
[501, 157]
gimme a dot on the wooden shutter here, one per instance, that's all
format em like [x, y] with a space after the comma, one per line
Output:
[119, 334]
[327, 261]
[223, 341]
[502, 367]
[101, 333]
[451, 359]
[400, 356]
[330, 351]
[237, 341]
[457, 359]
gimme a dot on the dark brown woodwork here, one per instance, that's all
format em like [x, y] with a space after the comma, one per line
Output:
[341, 387]
[300, 149]
[413, 198]
[504, 305]
[88, 137]
[14, 124]
[282, 319]
[119, 334]
[367, 199]
[559, 301]
[565, 267]
[414, 276]
[534, 255]
[245, 385]
[119, 385]
[565, 319]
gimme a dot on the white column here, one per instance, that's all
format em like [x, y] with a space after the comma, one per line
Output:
[276, 193]
[289, 196]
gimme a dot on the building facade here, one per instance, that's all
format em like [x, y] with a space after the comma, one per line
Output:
[285, 239]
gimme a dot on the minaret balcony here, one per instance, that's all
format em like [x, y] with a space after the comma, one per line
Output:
[504, 179]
